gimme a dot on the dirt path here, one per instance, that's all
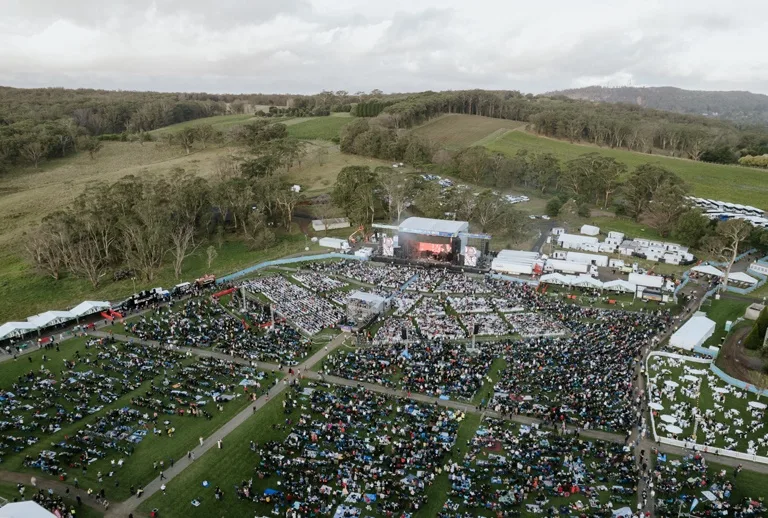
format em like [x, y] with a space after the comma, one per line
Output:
[733, 357]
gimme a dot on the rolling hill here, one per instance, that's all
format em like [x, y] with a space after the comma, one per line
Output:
[736, 106]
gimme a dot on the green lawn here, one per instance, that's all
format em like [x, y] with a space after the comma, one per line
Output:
[319, 128]
[138, 468]
[728, 183]
[721, 311]
[226, 468]
[24, 292]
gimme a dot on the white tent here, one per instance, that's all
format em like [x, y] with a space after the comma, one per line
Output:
[620, 285]
[742, 277]
[707, 269]
[16, 329]
[693, 333]
[27, 509]
[90, 306]
[586, 281]
[590, 230]
[555, 278]
[50, 318]
[649, 281]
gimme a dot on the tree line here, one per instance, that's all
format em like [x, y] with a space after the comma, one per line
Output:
[138, 225]
[612, 125]
[366, 195]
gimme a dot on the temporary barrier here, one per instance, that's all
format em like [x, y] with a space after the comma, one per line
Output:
[288, 260]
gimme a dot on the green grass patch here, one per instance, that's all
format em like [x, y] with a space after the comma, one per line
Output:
[458, 131]
[319, 128]
[721, 311]
[486, 391]
[721, 182]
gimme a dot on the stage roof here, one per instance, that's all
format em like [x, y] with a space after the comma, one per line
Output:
[433, 226]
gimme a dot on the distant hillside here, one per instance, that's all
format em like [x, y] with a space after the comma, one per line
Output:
[741, 107]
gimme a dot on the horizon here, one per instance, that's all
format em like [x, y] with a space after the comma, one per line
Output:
[306, 46]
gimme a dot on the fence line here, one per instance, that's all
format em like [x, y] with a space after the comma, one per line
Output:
[514, 279]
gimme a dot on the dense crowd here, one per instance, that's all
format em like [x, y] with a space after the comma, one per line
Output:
[309, 312]
[509, 469]
[388, 276]
[351, 452]
[585, 378]
[205, 323]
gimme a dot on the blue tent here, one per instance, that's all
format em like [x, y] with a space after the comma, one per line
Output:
[270, 492]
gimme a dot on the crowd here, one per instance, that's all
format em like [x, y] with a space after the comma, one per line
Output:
[530, 325]
[396, 331]
[436, 368]
[173, 391]
[318, 282]
[350, 452]
[585, 378]
[388, 276]
[51, 501]
[509, 469]
[205, 323]
[309, 312]
[677, 482]
[488, 324]
[460, 283]
[463, 304]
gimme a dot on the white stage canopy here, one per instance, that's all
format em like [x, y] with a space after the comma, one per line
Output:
[693, 333]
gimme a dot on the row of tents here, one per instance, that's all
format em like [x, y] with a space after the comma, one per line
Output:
[587, 281]
[48, 319]
[708, 269]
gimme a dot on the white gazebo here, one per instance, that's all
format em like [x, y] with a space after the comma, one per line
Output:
[620, 285]
[587, 281]
[742, 278]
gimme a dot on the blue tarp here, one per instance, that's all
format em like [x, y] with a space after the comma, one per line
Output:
[270, 492]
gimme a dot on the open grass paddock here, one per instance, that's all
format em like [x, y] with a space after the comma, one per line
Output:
[721, 182]
[457, 131]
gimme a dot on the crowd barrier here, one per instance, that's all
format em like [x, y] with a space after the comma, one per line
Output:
[281, 262]
[692, 445]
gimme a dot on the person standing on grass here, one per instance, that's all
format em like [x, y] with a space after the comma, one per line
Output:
[201, 440]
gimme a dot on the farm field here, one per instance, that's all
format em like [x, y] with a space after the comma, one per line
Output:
[457, 131]
[318, 128]
[219, 122]
[728, 183]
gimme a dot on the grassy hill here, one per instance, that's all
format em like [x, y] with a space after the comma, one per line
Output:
[457, 131]
[319, 128]
[728, 183]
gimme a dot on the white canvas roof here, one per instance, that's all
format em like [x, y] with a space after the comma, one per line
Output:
[416, 224]
[555, 278]
[576, 238]
[14, 329]
[590, 230]
[707, 269]
[620, 285]
[92, 306]
[586, 281]
[50, 318]
[693, 333]
[742, 277]
[649, 281]
[27, 509]
[367, 297]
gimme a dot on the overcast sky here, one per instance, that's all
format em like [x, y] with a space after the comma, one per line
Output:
[304, 46]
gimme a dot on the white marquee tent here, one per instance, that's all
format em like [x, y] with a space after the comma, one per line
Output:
[26, 509]
[693, 333]
[620, 285]
[51, 318]
[556, 278]
[742, 277]
[707, 269]
[586, 281]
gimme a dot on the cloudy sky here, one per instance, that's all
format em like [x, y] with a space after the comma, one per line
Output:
[304, 46]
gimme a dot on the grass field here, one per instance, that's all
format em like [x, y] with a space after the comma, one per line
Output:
[461, 131]
[319, 128]
[721, 311]
[721, 182]
[219, 122]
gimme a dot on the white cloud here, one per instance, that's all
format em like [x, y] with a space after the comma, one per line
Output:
[304, 46]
